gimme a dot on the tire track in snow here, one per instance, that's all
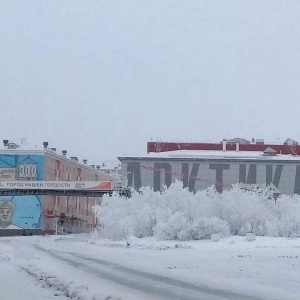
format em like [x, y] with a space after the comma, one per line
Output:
[160, 287]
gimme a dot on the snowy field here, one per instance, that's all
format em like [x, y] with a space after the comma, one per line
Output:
[82, 267]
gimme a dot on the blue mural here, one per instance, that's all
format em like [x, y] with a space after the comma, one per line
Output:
[21, 212]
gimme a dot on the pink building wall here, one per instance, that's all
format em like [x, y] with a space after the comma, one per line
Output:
[77, 209]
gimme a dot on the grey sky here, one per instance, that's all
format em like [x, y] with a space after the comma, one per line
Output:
[100, 78]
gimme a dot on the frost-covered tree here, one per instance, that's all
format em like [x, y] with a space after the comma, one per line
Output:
[176, 213]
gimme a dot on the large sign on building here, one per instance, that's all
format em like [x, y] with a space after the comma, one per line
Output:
[197, 174]
[56, 185]
[21, 212]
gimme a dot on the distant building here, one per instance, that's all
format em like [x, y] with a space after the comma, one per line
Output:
[112, 168]
[34, 214]
[238, 140]
[290, 142]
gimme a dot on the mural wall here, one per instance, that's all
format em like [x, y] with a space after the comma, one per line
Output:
[21, 212]
[200, 174]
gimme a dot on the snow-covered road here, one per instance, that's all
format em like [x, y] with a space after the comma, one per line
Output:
[152, 286]
[15, 284]
[26, 287]
[266, 269]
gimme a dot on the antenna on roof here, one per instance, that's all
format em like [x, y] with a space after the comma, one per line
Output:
[158, 145]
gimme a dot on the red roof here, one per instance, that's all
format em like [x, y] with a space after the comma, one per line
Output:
[166, 146]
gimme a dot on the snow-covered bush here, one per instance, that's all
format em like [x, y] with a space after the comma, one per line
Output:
[245, 211]
[176, 213]
[178, 227]
[287, 216]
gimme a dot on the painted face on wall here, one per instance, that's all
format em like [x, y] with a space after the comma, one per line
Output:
[6, 211]
[5, 214]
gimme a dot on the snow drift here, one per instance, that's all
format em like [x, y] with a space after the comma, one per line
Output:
[176, 213]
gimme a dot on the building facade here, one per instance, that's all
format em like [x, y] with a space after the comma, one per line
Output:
[34, 214]
[200, 169]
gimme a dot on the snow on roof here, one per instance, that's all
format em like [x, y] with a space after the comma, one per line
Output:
[238, 140]
[270, 150]
[219, 154]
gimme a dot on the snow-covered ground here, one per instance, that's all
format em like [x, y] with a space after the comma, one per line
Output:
[15, 284]
[80, 267]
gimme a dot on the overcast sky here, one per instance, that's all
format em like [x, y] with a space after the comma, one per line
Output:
[101, 78]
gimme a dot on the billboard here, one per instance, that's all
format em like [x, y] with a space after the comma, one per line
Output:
[21, 212]
[199, 174]
[56, 185]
